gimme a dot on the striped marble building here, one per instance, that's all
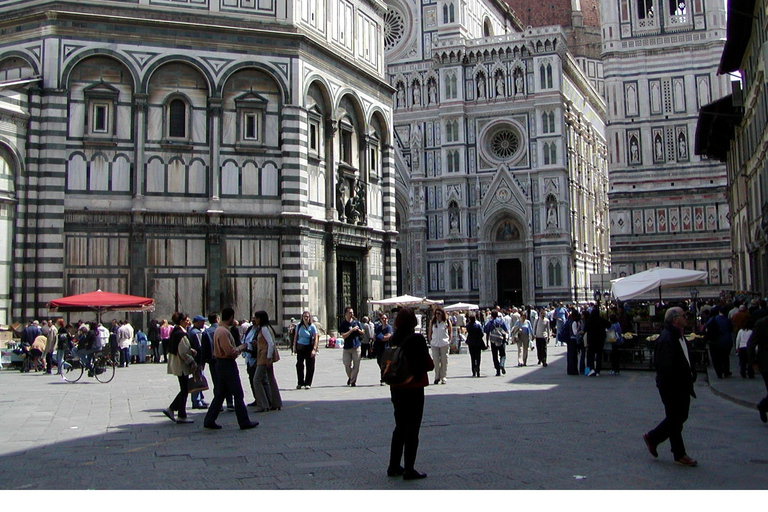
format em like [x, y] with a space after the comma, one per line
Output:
[500, 152]
[668, 205]
[202, 152]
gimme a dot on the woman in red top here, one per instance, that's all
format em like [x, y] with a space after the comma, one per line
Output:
[408, 398]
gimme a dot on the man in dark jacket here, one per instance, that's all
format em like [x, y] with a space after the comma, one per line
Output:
[675, 376]
[757, 351]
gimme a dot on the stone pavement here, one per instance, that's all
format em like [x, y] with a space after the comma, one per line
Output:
[535, 428]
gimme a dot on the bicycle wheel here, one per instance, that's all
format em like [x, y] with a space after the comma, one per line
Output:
[71, 371]
[103, 370]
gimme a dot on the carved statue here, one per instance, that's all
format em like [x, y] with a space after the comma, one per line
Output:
[432, 93]
[359, 203]
[341, 197]
[499, 86]
[480, 87]
[416, 94]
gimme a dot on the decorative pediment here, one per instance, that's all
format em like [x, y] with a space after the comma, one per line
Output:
[101, 90]
[504, 193]
[250, 98]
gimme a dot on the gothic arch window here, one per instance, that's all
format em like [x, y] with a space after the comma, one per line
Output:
[545, 75]
[548, 122]
[487, 28]
[453, 160]
[550, 153]
[452, 131]
[451, 86]
[449, 13]
[554, 273]
[457, 276]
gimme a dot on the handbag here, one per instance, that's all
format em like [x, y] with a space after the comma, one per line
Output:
[275, 354]
[197, 382]
[611, 336]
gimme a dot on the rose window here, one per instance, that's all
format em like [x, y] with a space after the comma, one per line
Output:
[504, 144]
[394, 28]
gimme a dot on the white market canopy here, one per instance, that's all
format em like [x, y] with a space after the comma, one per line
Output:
[404, 300]
[461, 306]
[629, 287]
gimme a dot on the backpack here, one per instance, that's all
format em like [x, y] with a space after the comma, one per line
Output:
[394, 366]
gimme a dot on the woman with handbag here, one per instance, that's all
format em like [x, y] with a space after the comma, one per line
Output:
[181, 363]
[475, 343]
[305, 346]
[522, 333]
[408, 397]
[266, 391]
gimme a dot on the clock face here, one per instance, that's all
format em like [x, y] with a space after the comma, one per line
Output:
[394, 28]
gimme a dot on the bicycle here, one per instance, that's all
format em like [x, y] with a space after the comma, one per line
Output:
[102, 368]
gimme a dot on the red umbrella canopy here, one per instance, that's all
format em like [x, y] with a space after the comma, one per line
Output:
[102, 301]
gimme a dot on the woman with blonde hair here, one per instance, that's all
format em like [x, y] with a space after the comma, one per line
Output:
[439, 332]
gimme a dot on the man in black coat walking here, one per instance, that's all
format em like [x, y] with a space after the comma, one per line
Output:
[675, 376]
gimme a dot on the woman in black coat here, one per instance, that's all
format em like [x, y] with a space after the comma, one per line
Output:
[475, 343]
[408, 397]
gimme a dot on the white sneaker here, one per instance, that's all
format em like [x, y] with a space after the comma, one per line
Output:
[591, 373]
[442, 381]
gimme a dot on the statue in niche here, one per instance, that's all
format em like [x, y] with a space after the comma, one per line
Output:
[416, 94]
[358, 202]
[499, 85]
[341, 197]
[682, 150]
[551, 215]
[659, 149]
[400, 96]
[480, 86]
[432, 90]
[518, 82]
[634, 151]
[416, 139]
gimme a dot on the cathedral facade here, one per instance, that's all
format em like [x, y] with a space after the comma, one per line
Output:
[206, 153]
[668, 205]
[500, 156]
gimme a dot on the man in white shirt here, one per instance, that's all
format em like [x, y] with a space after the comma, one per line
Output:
[124, 341]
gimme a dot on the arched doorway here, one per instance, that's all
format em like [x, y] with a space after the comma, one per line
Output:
[509, 282]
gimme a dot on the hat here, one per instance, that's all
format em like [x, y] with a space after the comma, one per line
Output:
[198, 318]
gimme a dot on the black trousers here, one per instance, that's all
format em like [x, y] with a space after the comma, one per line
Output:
[676, 406]
[595, 357]
[721, 361]
[179, 403]
[155, 351]
[572, 357]
[304, 358]
[745, 368]
[226, 383]
[615, 361]
[499, 355]
[541, 349]
[475, 353]
[164, 344]
[409, 409]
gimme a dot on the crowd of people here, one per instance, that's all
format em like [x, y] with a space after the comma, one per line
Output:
[187, 346]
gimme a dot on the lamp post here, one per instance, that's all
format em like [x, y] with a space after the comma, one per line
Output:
[694, 299]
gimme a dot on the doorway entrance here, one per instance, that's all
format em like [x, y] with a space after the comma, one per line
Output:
[347, 291]
[509, 282]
